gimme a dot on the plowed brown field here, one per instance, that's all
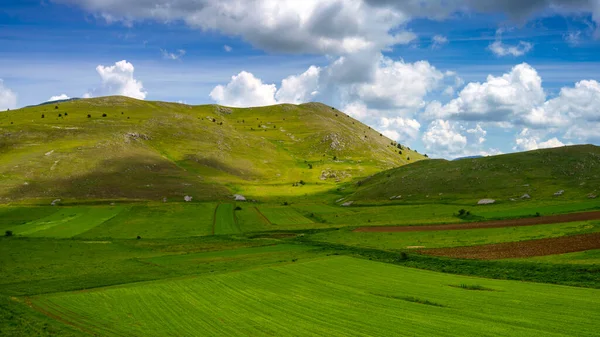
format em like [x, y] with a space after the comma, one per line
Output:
[529, 248]
[542, 220]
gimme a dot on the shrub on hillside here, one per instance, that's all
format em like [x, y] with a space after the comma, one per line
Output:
[89, 116]
[103, 115]
[43, 116]
[8, 233]
[238, 208]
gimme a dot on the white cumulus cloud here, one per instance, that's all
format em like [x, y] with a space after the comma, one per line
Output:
[301, 88]
[8, 99]
[527, 140]
[244, 90]
[118, 80]
[58, 97]
[507, 97]
[442, 139]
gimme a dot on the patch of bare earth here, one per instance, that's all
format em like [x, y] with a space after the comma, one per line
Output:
[542, 220]
[529, 248]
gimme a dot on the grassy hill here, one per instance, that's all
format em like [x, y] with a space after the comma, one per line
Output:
[122, 148]
[539, 173]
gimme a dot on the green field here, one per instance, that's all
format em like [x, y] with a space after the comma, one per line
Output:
[251, 220]
[172, 220]
[68, 222]
[284, 217]
[330, 297]
[587, 257]
[453, 238]
[225, 222]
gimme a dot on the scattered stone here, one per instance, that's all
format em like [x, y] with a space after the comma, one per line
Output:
[335, 141]
[165, 199]
[525, 196]
[112, 203]
[526, 185]
[187, 198]
[54, 202]
[239, 197]
[49, 153]
[559, 193]
[592, 196]
[486, 201]
[136, 136]
[348, 203]
[339, 200]
[224, 110]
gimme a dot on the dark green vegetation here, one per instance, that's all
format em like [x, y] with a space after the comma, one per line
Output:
[122, 253]
[539, 174]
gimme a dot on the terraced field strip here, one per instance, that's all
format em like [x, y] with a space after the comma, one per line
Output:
[335, 296]
[224, 222]
[529, 248]
[284, 216]
[164, 220]
[93, 217]
[250, 219]
[68, 222]
[542, 220]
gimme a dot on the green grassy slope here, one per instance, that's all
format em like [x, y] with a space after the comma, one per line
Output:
[539, 173]
[150, 150]
[330, 297]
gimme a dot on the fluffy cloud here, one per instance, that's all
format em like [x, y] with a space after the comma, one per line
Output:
[507, 97]
[451, 139]
[8, 99]
[227, 48]
[172, 56]
[58, 97]
[399, 129]
[398, 85]
[313, 26]
[528, 140]
[328, 26]
[301, 88]
[118, 80]
[244, 90]
[442, 139]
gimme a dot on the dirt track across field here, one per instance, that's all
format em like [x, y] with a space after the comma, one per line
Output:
[529, 248]
[542, 220]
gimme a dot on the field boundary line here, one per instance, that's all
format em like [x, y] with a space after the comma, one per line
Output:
[263, 216]
[521, 249]
[543, 220]
[215, 218]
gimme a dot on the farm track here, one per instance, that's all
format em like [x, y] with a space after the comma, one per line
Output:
[542, 220]
[528, 248]
[263, 216]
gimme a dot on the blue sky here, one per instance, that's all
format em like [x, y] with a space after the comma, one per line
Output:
[449, 78]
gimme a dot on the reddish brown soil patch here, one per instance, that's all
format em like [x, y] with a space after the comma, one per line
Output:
[529, 248]
[542, 220]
